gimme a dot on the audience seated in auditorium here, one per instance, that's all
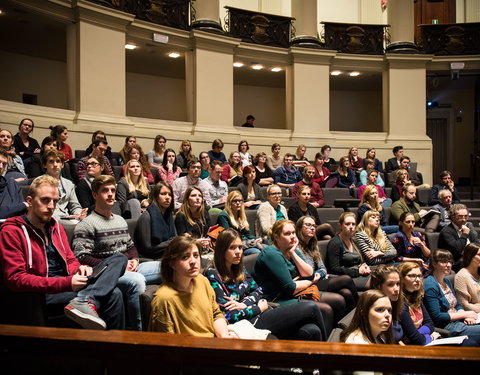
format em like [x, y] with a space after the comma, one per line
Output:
[372, 321]
[371, 179]
[302, 207]
[11, 197]
[251, 192]
[442, 303]
[25, 146]
[100, 135]
[401, 178]
[14, 168]
[413, 176]
[185, 154]
[468, 278]
[155, 157]
[369, 166]
[316, 194]
[417, 326]
[181, 184]
[193, 217]
[83, 189]
[133, 191]
[287, 175]
[371, 154]
[102, 234]
[263, 173]
[339, 292]
[458, 234]
[99, 147]
[216, 152]
[34, 168]
[343, 256]
[246, 158]
[329, 161]
[321, 172]
[394, 163]
[233, 216]
[35, 257]
[443, 206]
[407, 204]
[372, 241]
[185, 302]
[299, 159]
[67, 206]
[205, 161]
[122, 155]
[446, 183]
[371, 202]
[356, 162]
[155, 228]
[269, 212]
[169, 170]
[346, 176]
[387, 280]
[135, 152]
[217, 189]
[281, 271]
[60, 134]
[274, 161]
[239, 297]
[233, 170]
[410, 244]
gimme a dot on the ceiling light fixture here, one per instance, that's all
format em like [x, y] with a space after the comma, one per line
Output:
[237, 64]
[257, 67]
[130, 46]
[354, 74]
[335, 73]
[173, 55]
[276, 69]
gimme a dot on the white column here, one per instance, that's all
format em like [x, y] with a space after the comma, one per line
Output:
[305, 14]
[402, 26]
[207, 16]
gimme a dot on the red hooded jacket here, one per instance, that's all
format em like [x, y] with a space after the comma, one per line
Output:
[23, 258]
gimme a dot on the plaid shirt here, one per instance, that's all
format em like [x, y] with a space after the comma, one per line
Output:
[181, 184]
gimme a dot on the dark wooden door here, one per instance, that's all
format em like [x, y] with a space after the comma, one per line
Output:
[426, 11]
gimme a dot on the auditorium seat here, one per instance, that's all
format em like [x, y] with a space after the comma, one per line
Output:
[432, 240]
[422, 196]
[322, 247]
[329, 215]
[330, 194]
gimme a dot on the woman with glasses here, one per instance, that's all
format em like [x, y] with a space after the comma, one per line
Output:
[95, 168]
[25, 146]
[233, 216]
[270, 211]
[205, 161]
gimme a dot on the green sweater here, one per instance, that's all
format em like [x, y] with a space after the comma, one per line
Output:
[224, 221]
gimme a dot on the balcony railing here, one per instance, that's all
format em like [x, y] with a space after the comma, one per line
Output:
[451, 39]
[355, 38]
[259, 28]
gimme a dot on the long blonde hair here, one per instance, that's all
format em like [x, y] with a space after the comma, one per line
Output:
[241, 222]
[366, 193]
[187, 210]
[376, 235]
[142, 183]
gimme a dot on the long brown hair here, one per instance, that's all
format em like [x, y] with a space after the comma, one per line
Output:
[412, 298]
[174, 252]
[235, 273]
[143, 159]
[377, 235]
[310, 247]
[378, 277]
[187, 210]
[241, 221]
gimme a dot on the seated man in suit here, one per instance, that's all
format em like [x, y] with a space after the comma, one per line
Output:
[446, 183]
[394, 163]
[458, 234]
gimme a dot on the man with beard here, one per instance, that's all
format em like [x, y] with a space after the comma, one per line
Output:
[407, 204]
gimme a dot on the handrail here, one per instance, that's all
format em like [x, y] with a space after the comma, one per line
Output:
[146, 350]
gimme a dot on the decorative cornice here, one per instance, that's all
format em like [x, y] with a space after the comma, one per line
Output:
[213, 42]
[101, 16]
[397, 61]
[312, 56]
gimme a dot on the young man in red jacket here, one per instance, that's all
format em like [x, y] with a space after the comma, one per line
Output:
[35, 257]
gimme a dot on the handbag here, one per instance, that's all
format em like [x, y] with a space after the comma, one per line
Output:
[244, 329]
[310, 293]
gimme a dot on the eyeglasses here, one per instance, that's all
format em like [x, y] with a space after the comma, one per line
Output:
[275, 194]
[414, 277]
[92, 164]
[195, 167]
[235, 201]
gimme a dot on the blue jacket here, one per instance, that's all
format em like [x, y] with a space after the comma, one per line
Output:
[436, 303]
[11, 199]
[285, 176]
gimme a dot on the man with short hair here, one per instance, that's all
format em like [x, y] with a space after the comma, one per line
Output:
[217, 189]
[407, 204]
[413, 176]
[68, 206]
[181, 184]
[287, 175]
[458, 234]
[102, 234]
[99, 147]
[35, 257]
[394, 163]
[446, 183]
[249, 122]
[11, 198]
[316, 194]
[443, 206]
